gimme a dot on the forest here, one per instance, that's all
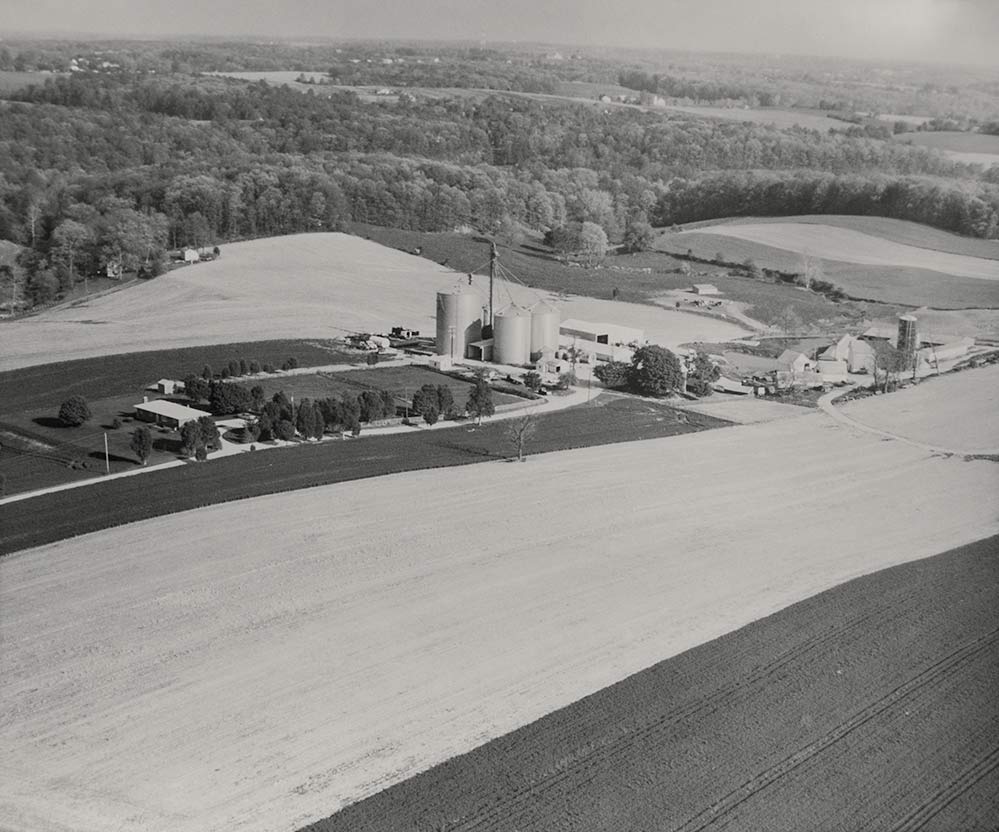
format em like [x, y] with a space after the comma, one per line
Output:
[114, 167]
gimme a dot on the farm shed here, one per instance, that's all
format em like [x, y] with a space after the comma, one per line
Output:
[946, 352]
[860, 358]
[600, 333]
[191, 255]
[167, 414]
[794, 362]
[832, 369]
[704, 289]
[168, 386]
[481, 350]
[840, 351]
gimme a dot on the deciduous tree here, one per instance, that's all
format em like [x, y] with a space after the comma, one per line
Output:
[142, 443]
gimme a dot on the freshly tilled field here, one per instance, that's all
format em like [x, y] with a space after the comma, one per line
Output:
[263, 663]
[870, 706]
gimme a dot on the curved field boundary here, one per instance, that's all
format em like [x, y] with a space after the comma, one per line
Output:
[877, 663]
[904, 232]
[847, 245]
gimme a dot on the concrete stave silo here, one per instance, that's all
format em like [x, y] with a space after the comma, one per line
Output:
[545, 320]
[512, 336]
[459, 321]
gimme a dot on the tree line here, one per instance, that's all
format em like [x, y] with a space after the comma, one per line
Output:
[99, 171]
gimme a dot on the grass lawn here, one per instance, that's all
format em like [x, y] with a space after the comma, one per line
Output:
[112, 386]
[39, 451]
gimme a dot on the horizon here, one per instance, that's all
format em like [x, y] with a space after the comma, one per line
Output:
[934, 32]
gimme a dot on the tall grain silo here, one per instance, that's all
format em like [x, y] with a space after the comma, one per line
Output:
[545, 320]
[512, 336]
[908, 337]
[459, 321]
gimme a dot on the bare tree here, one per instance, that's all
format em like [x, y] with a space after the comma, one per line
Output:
[520, 430]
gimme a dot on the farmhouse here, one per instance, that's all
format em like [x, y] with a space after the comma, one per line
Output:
[167, 414]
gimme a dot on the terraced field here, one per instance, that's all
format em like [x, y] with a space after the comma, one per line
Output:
[865, 265]
[266, 662]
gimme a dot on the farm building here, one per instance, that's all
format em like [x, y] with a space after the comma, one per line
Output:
[704, 289]
[191, 255]
[167, 414]
[599, 333]
[858, 355]
[794, 362]
[481, 350]
[168, 386]
[948, 351]
[840, 351]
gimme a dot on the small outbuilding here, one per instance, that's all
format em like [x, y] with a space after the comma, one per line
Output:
[191, 255]
[704, 289]
[794, 362]
[167, 414]
[168, 386]
[599, 333]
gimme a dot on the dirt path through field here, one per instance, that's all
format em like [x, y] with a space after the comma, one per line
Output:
[259, 664]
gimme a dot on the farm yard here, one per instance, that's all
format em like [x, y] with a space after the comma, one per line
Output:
[871, 683]
[330, 279]
[348, 649]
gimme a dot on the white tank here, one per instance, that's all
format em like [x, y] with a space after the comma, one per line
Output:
[458, 321]
[512, 336]
[545, 320]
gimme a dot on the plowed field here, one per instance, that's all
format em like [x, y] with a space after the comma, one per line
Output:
[870, 706]
[263, 663]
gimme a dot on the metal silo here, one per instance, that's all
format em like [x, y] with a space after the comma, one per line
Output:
[512, 336]
[908, 336]
[459, 321]
[545, 320]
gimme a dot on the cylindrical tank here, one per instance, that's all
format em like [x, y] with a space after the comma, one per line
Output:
[908, 337]
[512, 336]
[458, 322]
[545, 320]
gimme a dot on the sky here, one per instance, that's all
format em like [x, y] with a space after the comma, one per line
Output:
[958, 31]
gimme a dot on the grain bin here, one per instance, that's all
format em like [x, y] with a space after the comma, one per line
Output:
[512, 336]
[459, 321]
[545, 320]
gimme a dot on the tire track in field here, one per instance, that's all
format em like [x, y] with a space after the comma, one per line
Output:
[751, 788]
[923, 814]
[594, 757]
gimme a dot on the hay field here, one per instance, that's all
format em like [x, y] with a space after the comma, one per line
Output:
[974, 148]
[935, 412]
[775, 117]
[847, 245]
[262, 663]
[300, 286]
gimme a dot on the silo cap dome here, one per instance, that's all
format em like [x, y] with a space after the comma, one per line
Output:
[513, 310]
[543, 306]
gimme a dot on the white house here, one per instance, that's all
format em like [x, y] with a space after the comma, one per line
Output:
[191, 255]
[167, 414]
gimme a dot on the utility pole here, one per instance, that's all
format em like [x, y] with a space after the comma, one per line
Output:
[107, 456]
[450, 332]
[493, 258]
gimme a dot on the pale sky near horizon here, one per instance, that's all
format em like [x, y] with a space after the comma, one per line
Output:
[960, 31]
